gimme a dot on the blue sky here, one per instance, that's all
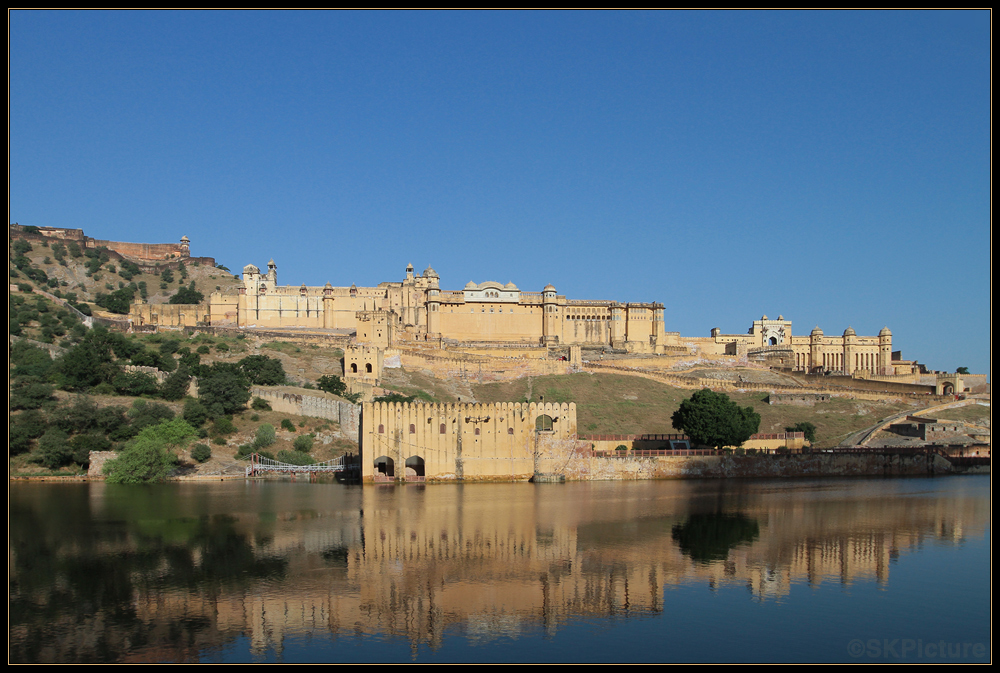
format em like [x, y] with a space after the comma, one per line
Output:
[832, 167]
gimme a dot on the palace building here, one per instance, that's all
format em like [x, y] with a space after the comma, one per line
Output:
[486, 312]
[494, 315]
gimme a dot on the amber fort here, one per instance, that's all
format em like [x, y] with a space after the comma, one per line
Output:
[491, 314]
[489, 331]
[501, 320]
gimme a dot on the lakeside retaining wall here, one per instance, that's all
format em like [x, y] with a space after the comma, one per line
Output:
[586, 467]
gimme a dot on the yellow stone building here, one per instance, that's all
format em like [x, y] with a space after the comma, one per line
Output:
[848, 354]
[506, 441]
[417, 309]
[492, 315]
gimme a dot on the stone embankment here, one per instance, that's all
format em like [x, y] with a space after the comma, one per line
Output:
[585, 466]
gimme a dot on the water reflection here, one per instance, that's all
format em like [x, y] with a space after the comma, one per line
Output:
[176, 572]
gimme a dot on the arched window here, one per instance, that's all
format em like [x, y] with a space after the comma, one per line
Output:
[477, 432]
[544, 423]
[354, 368]
[510, 431]
[413, 428]
[368, 368]
[381, 429]
[443, 428]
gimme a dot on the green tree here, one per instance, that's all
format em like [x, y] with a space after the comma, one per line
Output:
[54, 449]
[145, 414]
[23, 428]
[28, 393]
[224, 390]
[143, 460]
[175, 432]
[962, 370]
[85, 443]
[805, 427]
[195, 412]
[712, 419]
[263, 371]
[118, 301]
[135, 384]
[175, 387]
[187, 295]
[332, 384]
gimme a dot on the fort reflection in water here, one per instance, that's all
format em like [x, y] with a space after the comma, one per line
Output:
[276, 561]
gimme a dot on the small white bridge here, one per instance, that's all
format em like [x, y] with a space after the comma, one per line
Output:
[260, 464]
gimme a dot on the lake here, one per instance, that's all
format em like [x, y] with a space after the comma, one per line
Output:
[821, 570]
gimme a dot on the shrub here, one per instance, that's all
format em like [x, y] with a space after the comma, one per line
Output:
[287, 425]
[84, 444]
[223, 426]
[303, 443]
[135, 384]
[103, 388]
[295, 457]
[175, 432]
[54, 449]
[201, 452]
[264, 437]
[195, 412]
[260, 404]
[145, 414]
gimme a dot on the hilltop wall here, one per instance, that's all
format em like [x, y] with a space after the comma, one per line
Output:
[313, 403]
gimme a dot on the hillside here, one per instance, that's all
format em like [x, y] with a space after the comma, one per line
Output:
[66, 270]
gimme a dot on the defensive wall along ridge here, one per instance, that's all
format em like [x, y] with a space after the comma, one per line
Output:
[312, 403]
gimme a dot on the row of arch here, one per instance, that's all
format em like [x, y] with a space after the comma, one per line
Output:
[413, 466]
